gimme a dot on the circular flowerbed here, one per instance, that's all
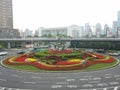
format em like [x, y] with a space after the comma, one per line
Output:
[60, 60]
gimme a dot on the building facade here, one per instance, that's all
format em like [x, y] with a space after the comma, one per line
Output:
[98, 29]
[9, 33]
[88, 30]
[6, 20]
[52, 32]
[114, 28]
[118, 19]
[70, 31]
[6, 14]
[75, 31]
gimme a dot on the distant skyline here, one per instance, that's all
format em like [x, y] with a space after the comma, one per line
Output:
[33, 14]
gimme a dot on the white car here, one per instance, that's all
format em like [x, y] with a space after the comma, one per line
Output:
[113, 54]
[3, 53]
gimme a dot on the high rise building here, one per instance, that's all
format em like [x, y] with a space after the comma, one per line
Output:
[118, 19]
[107, 31]
[6, 20]
[118, 24]
[114, 28]
[6, 14]
[98, 29]
[88, 31]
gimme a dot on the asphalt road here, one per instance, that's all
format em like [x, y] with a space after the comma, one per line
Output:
[107, 79]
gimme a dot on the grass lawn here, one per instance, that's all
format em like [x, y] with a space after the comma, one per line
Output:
[100, 66]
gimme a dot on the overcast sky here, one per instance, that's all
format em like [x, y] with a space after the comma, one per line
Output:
[33, 14]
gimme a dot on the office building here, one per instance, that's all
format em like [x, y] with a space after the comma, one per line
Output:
[118, 19]
[98, 29]
[9, 33]
[53, 32]
[72, 31]
[6, 20]
[6, 14]
[118, 24]
[75, 31]
[114, 28]
[88, 30]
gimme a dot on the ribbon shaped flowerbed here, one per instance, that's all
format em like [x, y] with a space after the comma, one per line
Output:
[58, 60]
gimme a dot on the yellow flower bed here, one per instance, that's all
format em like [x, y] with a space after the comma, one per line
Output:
[31, 60]
[74, 60]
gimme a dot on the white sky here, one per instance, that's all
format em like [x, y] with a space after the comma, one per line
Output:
[33, 14]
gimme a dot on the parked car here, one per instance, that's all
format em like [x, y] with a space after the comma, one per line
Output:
[113, 54]
[21, 52]
[3, 53]
[100, 50]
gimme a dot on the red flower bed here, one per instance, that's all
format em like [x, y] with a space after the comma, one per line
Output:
[20, 59]
[109, 60]
[6, 61]
[99, 56]
[66, 63]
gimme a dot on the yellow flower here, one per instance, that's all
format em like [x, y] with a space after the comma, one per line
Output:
[31, 60]
[74, 60]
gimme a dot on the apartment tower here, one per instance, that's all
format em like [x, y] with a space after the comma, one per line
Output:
[6, 14]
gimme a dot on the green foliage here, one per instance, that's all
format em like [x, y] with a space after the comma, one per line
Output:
[3, 45]
[100, 66]
[70, 56]
[43, 54]
[97, 45]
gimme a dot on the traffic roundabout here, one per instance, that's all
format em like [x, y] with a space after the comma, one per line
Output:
[62, 60]
[104, 79]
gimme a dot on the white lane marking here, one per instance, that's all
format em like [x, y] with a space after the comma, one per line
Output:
[69, 80]
[30, 82]
[61, 77]
[97, 78]
[36, 77]
[87, 85]
[61, 82]
[3, 80]
[102, 84]
[108, 74]
[104, 88]
[14, 75]
[87, 76]
[114, 83]
[84, 79]
[108, 77]
[72, 86]
[57, 86]
[116, 76]
[107, 88]
[94, 82]
[86, 89]
[115, 88]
